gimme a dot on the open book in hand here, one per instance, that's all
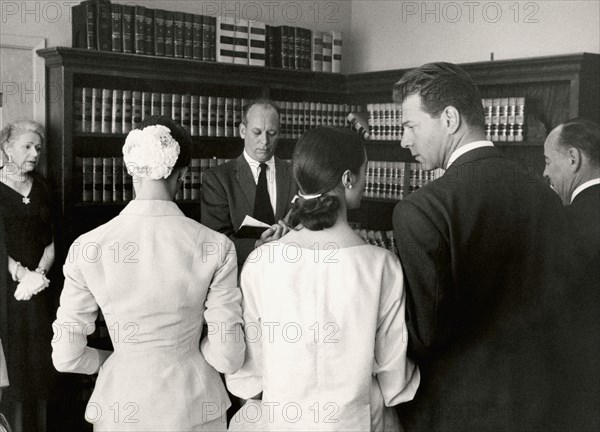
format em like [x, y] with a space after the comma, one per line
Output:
[251, 228]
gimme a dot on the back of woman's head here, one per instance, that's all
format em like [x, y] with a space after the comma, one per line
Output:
[156, 147]
[321, 157]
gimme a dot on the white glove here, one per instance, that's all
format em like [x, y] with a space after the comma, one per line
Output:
[31, 284]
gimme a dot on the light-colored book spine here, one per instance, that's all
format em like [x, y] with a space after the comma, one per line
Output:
[240, 47]
[327, 51]
[257, 43]
[336, 52]
[225, 39]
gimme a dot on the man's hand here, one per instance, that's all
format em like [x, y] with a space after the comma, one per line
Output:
[275, 232]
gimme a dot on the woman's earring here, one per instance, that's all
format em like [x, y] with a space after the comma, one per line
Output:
[350, 186]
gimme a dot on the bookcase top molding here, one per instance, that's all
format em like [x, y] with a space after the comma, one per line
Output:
[90, 62]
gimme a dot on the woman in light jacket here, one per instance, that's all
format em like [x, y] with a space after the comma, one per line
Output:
[158, 276]
[323, 311]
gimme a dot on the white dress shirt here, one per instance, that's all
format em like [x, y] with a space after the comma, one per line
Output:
[467, 148]
[584, 186]
[271, 183]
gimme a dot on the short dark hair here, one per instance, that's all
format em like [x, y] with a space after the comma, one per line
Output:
[320, 158]
[261, 101]
[440, 85]
[583, 134]
[179, 134]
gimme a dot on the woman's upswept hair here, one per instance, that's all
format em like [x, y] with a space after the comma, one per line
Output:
[321, 157]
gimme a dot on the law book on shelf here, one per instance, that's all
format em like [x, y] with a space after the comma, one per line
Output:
[117, 112]
[127, 112]
[186, 112]
[136, 108]
[197, 23]
[159, 32]
[203, 114]
[78, 109]
[166, 107]
[86, 109]
[128, 24]
[106, 111]
[194, 115]
[169, 33]
[317, 51]
[156, 103]
[195, 178]
[97, 170]
[188, 35]
[220, 117]
[269, 46]
[327, 51]
[225, 39]
[96, 123]
[212, 116]
[83, 26]
[237, 116]
[336, 52]
[251, 228]
[178, 34]
[117, 177]
[116, 28]
[107, 179]
[149, 32]
[104, 26]
[240, 47]
[176, 108]
[209, 38]
[257, 43]
[296, 49]
[146, 104]
[87, 167]
[139, 28]
[228, 120]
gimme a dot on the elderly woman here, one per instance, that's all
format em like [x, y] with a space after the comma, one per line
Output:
[25, 211]
[157, 277]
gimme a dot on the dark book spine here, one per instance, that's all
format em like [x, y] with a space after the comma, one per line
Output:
[149, 32]
[197, 37]
[127, 26]
[169, 29]
[139, 30]
[116, 28]
[83, 27]
[159, 32]
[212, 36]
[296, 55]
[188, 36]
[178, 32]
[104, 27]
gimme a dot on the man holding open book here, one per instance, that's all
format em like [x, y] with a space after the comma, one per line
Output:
[253, 192]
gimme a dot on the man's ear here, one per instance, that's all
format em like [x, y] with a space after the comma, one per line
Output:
[243, 130]
[451, 119]
[575, 158]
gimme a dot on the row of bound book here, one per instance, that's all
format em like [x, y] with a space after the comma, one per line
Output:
[395, 180]
[105, 179]
[118, 111]
[384, 239]
[504, 119]
[101, 25]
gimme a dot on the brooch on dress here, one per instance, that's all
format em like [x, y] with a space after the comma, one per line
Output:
[26, 200]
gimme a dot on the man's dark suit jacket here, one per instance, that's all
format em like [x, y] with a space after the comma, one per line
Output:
[228, 192]
[479, 249]
[584, 214]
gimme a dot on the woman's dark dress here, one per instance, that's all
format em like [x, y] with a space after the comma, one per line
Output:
[26, 326]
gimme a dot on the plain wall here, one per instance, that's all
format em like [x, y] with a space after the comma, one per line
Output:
[401, 34]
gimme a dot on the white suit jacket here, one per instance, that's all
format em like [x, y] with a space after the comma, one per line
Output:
[157, 276]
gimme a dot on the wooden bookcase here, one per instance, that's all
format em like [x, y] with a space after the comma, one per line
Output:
[556, 88]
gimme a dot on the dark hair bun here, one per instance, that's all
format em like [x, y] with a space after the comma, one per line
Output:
[317, 213]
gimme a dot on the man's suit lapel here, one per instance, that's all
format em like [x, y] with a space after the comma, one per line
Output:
[283, 176]
[246, 181]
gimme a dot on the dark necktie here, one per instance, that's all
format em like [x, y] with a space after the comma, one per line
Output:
[262, 203]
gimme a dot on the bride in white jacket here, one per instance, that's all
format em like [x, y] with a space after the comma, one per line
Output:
[158, 276]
